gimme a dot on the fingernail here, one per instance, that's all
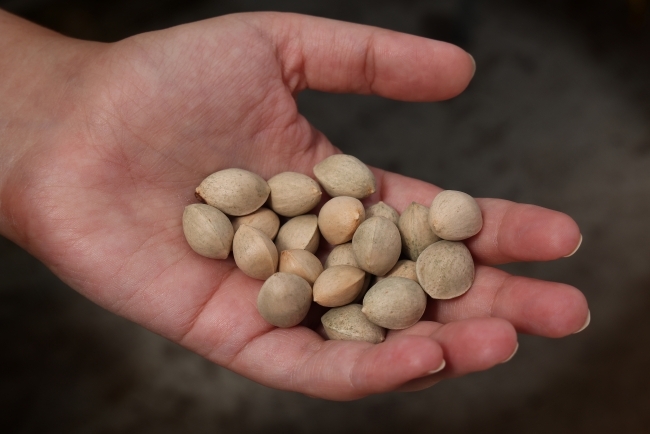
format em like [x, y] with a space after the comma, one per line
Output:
[474, 63]
[440, 368]
[512, 355]
[586, 324]
[576, 249]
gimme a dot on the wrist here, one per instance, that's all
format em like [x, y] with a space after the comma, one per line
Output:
[38, 70]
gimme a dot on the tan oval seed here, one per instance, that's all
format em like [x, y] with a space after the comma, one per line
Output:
[338, 285]
[234, 191]
[404, 268]
[345, 175]
[445, 269]
[299, 233]
[293, 194]
[301, 263]
[254, 252]
[348, 323]
[415, 230]
[263, 219]
[207, 230]
[341, 255]
[455, 215]
[377, 245]
[395, 303]
[284, 299]
[339, 218]
[380, 209]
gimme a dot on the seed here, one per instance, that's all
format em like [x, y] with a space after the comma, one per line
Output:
[234, 191]
[415, 230]
[263, 219]
[380, 209]
[345, 175]
[395, 303]
[445, 269]
[455, 215]
[338, 285]
[254, 252]
[293, 194]
[284, 299]
[341, 255]
[377, 245]
[368, 243]
[403, 268]
[299, 233]
[339, 218]
[366, 284]
[348, 323]
[207, 230]
[301, 263]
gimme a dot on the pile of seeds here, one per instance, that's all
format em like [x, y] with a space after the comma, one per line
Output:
[363, 280]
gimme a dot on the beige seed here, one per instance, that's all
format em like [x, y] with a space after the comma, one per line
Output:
[380, 209]
[254, 252]
[284, 299]
[415, 230]
[404, 268]
[455, 215]
[445, 269]
[341, 255]
[263, 219]
[395, 303]
[299, 233]
[293, 194]
[345, 175]
[207, 230]
[301, 263]
[348, 323]
[377, 245]
[338, 285]
[235, 192]
[366, 284]
[339, 218]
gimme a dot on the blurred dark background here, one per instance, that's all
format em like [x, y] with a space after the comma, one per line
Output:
[558, 115]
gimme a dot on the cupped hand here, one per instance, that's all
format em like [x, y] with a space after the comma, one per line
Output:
[100, 198]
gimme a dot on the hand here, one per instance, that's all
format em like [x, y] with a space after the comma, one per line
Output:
[97, 194]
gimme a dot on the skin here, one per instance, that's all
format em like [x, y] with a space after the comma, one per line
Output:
[102, 146]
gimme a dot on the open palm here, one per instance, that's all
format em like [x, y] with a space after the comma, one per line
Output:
[151, 116]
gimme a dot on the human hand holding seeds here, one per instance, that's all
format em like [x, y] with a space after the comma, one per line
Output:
[103, 145]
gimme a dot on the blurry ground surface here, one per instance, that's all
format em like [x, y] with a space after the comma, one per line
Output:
[558, 115]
